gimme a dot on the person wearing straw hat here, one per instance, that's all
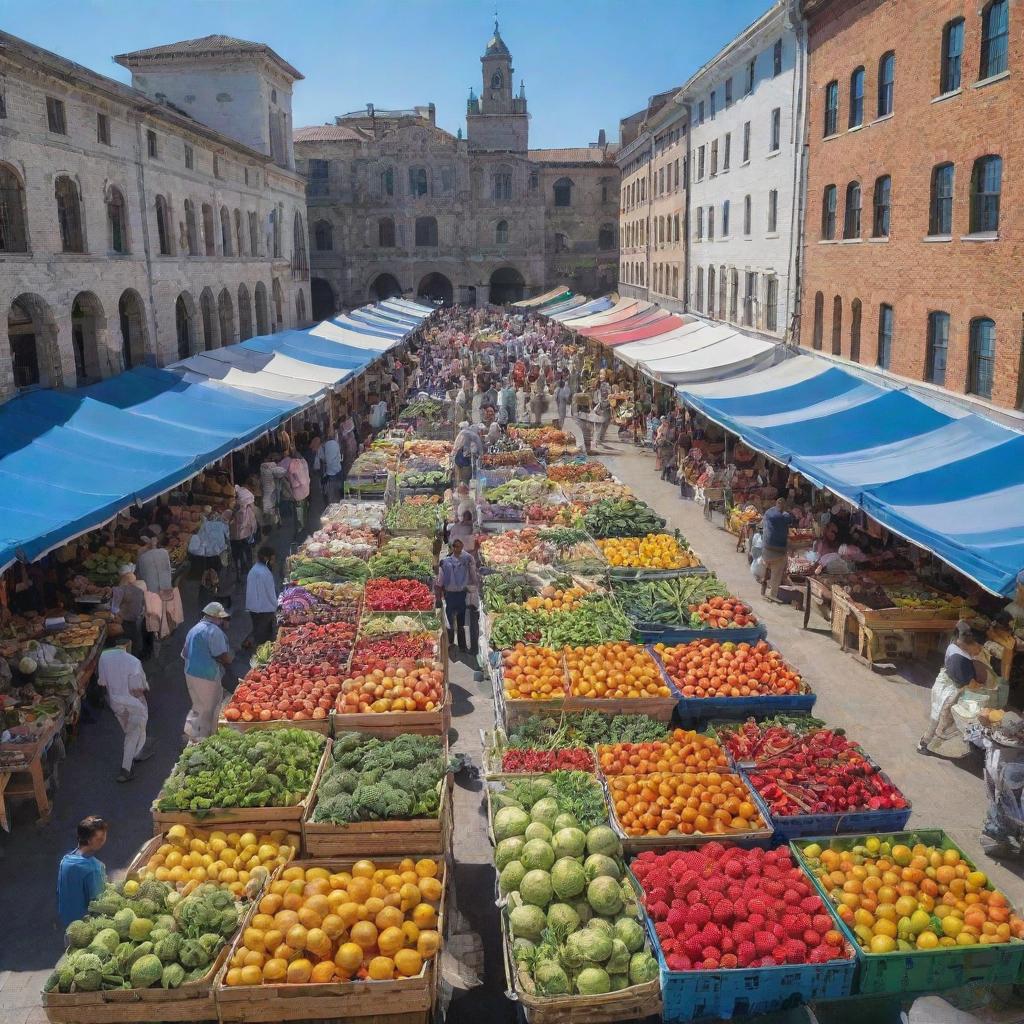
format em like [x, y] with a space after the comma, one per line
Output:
[206, 653]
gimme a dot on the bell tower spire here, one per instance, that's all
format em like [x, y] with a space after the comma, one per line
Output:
[499, 121]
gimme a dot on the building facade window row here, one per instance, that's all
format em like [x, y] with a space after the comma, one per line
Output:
[767, 64]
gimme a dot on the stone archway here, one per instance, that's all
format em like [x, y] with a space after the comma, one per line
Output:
[131, 316]
[184, 325]
[321, 295]
[437, 288]
[506, 285]
[278, 305]
[87, 326]
[262, 312]
[211, 324]
[384, 286]
[32, 335]
[226, 314]
[244, 313]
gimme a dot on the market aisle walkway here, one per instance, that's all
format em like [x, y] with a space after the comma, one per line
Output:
[887, 713]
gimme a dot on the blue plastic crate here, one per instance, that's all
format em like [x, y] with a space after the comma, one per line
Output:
[700, 709]
[740, 991]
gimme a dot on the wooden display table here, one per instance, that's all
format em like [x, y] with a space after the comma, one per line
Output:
[26, 777]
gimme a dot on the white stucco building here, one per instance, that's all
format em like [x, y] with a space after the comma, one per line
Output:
[746, 127]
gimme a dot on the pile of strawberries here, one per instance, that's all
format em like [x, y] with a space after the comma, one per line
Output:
[720, 906]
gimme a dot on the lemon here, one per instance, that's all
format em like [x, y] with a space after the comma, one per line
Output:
[882, 944]
[919, 920]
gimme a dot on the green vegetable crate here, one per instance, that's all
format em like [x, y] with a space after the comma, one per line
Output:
[923, 970]
[243, 819]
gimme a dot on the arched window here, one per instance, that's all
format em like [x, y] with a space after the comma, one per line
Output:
[501, 232]
[857, 98]
[244, 313]
[417, 181]
[699, 292]
[226, 313]
[563, 192]
[952, 54]
[300, 308]
[86, 323]
[501, 185]
[225, 232]
[13, 222]
[885, 331]
[828, 212]
[886, 83]
[711, 291]
[938, 347]
[426, 231]
[69, 214]
[819, 320]
[606, 237]
[239, 241]
[561, 242]
[300, 255]
[183, 325]
[855, 315]
[191, 231]
[117, 220]
[986, 184]
[131, 316]
[981, 357]
[32, 335]
[163, 227]
[209, 240]
[208, 309]
[851, 213]
[831, 108]
[254, 234]
[995, 38]
[837, 326]
[323, 236]
[386, 233]
[883, 202]
[262, 313]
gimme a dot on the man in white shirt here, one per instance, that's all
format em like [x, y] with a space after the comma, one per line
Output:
[153, 566]
[122, 676]
[328, 461]
[379, 415]
[261, 598]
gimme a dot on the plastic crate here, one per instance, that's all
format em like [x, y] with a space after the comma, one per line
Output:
[923, 970]
[654, 633]
[699, 709]
[741, 991]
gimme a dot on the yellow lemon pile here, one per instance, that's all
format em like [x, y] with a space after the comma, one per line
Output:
[188, 857]
[655, 551]
[313, 926]
[552, 599]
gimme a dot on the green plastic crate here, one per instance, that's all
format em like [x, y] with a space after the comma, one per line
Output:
[924, 970]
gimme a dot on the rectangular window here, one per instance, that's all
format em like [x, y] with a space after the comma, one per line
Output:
[938, 348]
[775, 139]
[700, 223]
[55, 116]
[700, 288]
[751, 67]
[317, 175]
[952, 54]
[216, 166]
[728, 93]
[700, 112]
[886, 83]
[773, 211]
[746, 215]
[190, 160]
[828, 212]
[885, 326]
[746, 142]
[3, 105]
[726, 155]
[995, 38]
[448, 182]
[883, 198]
[103, 129]
[700, 164]
[714, 157]
[985, 188]
[725, 219]
[771, 304]
[831, 108]
[711, 106]
[734, 294]
[711, 223]
[750, 299]
[777, 59]
[941, 220]
[151, 145]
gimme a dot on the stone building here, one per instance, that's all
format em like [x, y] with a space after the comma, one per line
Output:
[913, 239]
[397, 205]
[141, 224]
[652, 160]
[746, 133]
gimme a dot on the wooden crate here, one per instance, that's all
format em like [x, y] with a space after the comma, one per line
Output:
[393, 723]
[659, 708]
[320, 725]
[255, 819]
[192, 1002]
[407, 1000]
[381, 838]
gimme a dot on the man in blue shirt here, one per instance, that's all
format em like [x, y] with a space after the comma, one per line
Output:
[455, 576]
[81, 876]
[205, 654]
[261, 598]
[775, 526]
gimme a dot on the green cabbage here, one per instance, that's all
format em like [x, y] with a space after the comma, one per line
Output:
[562, 917]
[601, 839]
[564, 820]
[537, 854]
[146, 971]
[511, 877]
[551, 979]
[508, 850]
[79, 934]
[604, 895]
[537, 830]
[642, 967]
[598, 865]
[535, 888]
[569, 842]
[618, 962]
[527, 922]
[567, 878]
[107, 940]
[510, 821]
[631, 933]
[593, 981]
[173, 975]
[545, 811]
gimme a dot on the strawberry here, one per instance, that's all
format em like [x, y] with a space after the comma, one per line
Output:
[693, 946]
[711, 934]
[721, 912]
[709, 965]
[659, 894]
[757, 906]
[779, 954]
[811, 904]
[690, 929]
[810, 937]
[734, 868]
[745, 953]
[821, 923]
[819, 955]
[728, 961]
[756, 921]
[734, 891]
[739, 909]
[710, 953]
[728, 943]
[676, 919]
[693, 896]
[659, 911]
[743, 931]
[664, 930]
[677, 962]
[773, 887]
[699, 914]
[796, 951]
[764, 943]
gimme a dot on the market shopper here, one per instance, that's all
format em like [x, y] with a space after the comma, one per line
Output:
[82, 876]
[242, 530]
[775, 527]
[153, 566]
[602, 410]
[261, 598]
[206, 654]
[456, 576]
[297, 479]
[563, 396]
[122, 676]
[464, 530]
[328, 462]
[128, 602]
[271, 474]
[959, 671]
[208, 546]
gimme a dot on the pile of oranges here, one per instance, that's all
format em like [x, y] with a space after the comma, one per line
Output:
[550, 599]
[897, 898]
[690, 803]
[681, 751]
[315, 926]
[533, 673]
[706, 668]
[618, 670]
[655, 551]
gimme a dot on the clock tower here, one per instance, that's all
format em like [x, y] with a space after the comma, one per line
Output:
[498, 120]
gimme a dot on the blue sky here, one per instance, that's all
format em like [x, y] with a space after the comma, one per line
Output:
[586, 63]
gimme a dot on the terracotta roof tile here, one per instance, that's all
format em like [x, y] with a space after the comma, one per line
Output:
[571, 155]
[328, 133]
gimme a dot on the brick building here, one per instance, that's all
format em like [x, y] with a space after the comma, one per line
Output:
[912, 234]
[142, 224]
[397, 205]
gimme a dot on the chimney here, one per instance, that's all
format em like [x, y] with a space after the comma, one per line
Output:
[602, 140]
[432, 113]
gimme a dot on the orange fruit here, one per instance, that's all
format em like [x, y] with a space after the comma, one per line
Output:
[299, 971]
[323, 972]
[381, 968]
[364, 934]
[428, 943]
[390, 941]
[408, 962]
[349, 957]
[251, 975]
[389, 917]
